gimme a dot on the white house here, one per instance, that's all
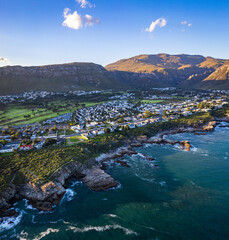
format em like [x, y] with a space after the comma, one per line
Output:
[6, 150]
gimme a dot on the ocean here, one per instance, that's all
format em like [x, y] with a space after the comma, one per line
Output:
[185, 197]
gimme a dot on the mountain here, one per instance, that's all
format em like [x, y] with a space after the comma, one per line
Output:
[141, 72]
[62, 77]
[189, 71]
[218, 79]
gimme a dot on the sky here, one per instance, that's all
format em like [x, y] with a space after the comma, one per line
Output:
[40, 32]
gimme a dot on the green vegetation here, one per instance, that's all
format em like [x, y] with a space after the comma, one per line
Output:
[147, 114]
[39, 165]
[147, 101]
[17, 114]
[221, 113]
[67, 132]
[74, 139]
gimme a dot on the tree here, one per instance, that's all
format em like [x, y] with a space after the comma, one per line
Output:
[125, 128]
[147, 114]
[17, 134]
[55, 128]
[164, 114]
[107, 130]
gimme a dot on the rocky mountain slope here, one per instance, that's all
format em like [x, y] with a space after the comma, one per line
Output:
[162, 70]
[218, 79]
[63, 77]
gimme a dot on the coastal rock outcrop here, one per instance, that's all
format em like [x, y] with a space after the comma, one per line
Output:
[6, 200]
[123, 163]
[97, 180]
[185, 145]
[44, 197]
[210, 126]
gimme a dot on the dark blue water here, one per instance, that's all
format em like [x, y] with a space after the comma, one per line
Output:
[186, 197]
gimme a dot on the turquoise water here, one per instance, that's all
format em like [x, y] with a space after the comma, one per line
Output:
[186, 197]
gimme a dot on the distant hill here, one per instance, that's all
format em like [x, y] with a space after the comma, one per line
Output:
[189, 71]
[141, 72]
[62, 77]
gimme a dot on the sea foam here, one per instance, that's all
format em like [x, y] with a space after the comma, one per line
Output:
[10, 222]
[101, 229]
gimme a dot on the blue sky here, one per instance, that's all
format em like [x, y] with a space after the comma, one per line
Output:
[38, 32]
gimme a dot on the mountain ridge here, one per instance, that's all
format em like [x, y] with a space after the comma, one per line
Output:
[139, 72]
[56, 77]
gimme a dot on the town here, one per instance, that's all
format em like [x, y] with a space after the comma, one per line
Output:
[119, 113]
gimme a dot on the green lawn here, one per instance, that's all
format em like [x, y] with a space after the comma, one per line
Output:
[15, 114]
[74, 139]
[89, 104]
[6, 154]
[67, 132]
[148, 101]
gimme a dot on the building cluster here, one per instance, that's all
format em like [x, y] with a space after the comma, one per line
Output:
[33, 95]
[26, 96]
[118, 114]
[59, 119]
[91, 121]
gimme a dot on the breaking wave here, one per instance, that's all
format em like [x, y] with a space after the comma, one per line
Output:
[10, 222]
[69, 195]
[27, 205]
[101, 229]
[24, 235]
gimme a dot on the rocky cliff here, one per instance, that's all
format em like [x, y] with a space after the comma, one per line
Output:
[46, 196]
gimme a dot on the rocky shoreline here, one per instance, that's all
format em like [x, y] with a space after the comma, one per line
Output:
[45, 197]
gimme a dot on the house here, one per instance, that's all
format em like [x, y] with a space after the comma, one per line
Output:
[132, 126]
[6, 150]
[26, 147]
[39, 145]
[13, 145]
[98, 132]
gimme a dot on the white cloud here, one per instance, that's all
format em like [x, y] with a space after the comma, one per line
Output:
[76, 21]
[161, 22]
[186, 23]
[73, 20]
[4, 61]
[85, 3]
[90, 21]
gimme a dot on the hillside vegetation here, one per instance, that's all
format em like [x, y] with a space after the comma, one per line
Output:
[60, 78]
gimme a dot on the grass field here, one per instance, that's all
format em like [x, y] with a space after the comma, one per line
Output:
[16, 114]
[76, 139]
[66, 132]
[148, 101]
